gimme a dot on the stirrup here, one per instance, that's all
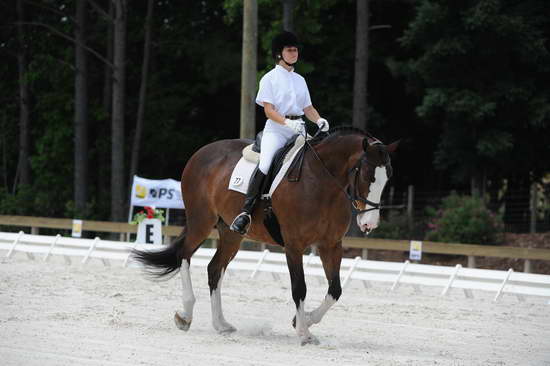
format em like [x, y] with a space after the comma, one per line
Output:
[241, 230]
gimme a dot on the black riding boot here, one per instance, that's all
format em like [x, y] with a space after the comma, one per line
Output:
[241, 222]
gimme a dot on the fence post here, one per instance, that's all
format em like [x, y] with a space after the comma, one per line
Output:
[15, 242]
[259, 264]
[510, 271]
[533, 209]
[471, 261]
[527, 266]
[34, 230]
[410, 207]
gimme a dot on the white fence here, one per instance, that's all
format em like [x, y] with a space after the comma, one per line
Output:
[395, 274]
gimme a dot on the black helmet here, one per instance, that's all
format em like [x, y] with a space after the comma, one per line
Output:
[282, 40]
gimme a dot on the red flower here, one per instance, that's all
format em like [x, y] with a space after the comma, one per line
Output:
[150, 212]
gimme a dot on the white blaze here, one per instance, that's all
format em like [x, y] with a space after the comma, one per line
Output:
[369, 220]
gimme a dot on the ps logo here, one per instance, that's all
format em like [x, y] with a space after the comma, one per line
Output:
[162, 193]
[237, 181]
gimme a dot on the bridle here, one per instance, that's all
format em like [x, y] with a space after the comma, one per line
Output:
[351, 191]
[354, 197]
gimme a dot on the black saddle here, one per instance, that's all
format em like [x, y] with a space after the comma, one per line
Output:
[270, 220]
[278, 159]
[258, 142]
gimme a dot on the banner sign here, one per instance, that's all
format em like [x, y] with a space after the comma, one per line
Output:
[164, 193]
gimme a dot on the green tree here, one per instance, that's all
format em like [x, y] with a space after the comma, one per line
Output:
[481, 68]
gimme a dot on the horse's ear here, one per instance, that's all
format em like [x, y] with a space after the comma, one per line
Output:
[393, 146]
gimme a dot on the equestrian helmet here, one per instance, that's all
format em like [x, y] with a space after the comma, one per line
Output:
[282, 40]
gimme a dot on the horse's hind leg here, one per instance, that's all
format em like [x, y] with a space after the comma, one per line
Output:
[227, 249]
[197, 230]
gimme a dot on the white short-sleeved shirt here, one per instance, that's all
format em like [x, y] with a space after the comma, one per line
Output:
[286, 90]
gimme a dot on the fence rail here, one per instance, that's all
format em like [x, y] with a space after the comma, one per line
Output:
[471, 251]
[392, 273]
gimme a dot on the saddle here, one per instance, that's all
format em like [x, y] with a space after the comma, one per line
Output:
[282, 158]
[251, 153]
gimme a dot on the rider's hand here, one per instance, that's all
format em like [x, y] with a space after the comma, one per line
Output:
[295, 125]
[322, 124]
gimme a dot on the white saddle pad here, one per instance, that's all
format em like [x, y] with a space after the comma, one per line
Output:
[242, 173]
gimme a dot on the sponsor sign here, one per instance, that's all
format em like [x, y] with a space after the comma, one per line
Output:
[164, 193]
[77, 229]
[415, 253]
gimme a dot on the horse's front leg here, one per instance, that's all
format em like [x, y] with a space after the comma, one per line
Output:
[331, 257]
[296, 269]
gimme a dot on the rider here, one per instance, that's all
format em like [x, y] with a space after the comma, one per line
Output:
[285, 98]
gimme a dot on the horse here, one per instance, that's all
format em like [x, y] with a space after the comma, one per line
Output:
[347, 165]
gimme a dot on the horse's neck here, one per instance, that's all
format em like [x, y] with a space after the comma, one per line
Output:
[341, 154]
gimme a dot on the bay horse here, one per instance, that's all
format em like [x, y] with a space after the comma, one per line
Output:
[346, 166]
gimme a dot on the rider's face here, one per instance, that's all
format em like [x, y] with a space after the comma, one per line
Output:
[290, 54]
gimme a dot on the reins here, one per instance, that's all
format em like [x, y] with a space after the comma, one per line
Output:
[353, 197]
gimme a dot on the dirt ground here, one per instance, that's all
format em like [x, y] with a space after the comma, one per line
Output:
[58, 314]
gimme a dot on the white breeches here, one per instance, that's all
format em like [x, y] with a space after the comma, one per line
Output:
[275, 136]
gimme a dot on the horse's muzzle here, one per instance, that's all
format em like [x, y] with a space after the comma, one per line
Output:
[368, 221]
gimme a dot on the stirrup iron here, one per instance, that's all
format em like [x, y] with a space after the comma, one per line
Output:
[238, 229]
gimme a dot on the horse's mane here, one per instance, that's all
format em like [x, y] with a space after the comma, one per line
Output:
[339, 131]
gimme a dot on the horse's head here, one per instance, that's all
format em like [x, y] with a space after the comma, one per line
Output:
[368, 178]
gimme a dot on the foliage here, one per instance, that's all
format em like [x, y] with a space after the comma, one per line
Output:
[480, 67]
[465, 82]
[465, 219]
[398, 227]
[149, 213]
[394, 227]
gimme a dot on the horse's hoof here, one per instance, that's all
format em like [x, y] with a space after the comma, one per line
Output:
[224, 328]
[309, 339]
[181, 321]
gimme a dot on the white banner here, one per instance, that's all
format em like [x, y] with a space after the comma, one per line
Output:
[164, 193]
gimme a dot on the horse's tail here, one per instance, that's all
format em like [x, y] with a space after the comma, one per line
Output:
[164, 262]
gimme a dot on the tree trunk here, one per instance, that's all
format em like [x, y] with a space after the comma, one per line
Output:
[249, 69]
[142, 92]
[80, 112]
[360, 94]
[117, 129]
[108, 71]
[478, 183]
[288, 15]
[23, 165]
[103, 190]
